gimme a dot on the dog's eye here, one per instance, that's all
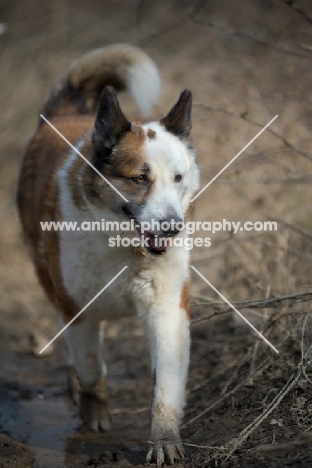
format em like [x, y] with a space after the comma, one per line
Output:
[178, 178]
[140, 179]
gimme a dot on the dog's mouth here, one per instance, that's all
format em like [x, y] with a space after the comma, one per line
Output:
[154, 244]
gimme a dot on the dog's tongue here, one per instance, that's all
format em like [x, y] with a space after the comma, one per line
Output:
[157, 243]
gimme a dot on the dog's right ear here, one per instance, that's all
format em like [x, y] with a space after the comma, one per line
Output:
[110, 124]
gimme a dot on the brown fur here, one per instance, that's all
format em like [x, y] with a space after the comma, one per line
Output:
[151, 134]
[38, 201]
[185, 298]
[127, 161]
[78, 90]
[38, 191]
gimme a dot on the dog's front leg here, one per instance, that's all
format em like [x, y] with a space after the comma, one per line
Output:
[168, 331]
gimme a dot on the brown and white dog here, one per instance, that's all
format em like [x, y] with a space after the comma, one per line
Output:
[153, 165]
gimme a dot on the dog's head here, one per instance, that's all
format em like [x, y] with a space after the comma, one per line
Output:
[152, 165]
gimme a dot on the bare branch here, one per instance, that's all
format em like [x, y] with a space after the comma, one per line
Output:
[234, 32]
[295, 7]
[302, 231]
[257, 124]
[173, 24]
[258, 304]
[304, 441]
[306, 179]
[235, 443]
[266, 363]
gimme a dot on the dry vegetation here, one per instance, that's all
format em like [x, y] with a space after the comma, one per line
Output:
[245, 61]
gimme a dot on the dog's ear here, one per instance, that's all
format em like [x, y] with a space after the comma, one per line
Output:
[110, 123]
[179, 120]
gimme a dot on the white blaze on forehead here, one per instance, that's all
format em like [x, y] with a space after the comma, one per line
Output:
[165, 148]
[167, 157]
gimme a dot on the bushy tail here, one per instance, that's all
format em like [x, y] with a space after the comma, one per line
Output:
[122, 66]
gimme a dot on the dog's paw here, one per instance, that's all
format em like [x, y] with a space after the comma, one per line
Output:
[165, 453]
[73, 385]
[94, 413]
[94, 406]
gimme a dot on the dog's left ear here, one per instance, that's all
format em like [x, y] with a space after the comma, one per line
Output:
[179, 120]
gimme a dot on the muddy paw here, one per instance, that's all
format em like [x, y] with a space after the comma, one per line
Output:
[94, 406]
[165, 453]
[94, 413]
[73, 385]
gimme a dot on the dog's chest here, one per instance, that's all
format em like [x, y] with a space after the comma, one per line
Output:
[88, 264]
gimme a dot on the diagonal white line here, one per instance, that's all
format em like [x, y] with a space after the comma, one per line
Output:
[232, 160]
[85, 159]
[82, 310]
[235, 310]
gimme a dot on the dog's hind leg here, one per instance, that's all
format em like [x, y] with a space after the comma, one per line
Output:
[84, 346]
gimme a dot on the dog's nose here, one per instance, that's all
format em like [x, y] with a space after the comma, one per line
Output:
[170, 227]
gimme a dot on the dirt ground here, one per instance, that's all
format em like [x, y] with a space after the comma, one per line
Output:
[245, 62]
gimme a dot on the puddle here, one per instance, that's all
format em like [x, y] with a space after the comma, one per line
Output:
[44, 427]
[48, 426]
[39, 426]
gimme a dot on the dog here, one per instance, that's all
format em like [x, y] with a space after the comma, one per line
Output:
[150, 173]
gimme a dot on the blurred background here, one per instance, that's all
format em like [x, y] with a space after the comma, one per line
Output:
[245, 62]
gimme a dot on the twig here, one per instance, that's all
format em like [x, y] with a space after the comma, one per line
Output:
[234, 374]
[207, 317]
[207, 299]
[235, 443]
[159, 441]
[289, 180]
[203, 446]
[262, 330]
[302, 337]
[257, 124]
[303, 354]
[297, 253]
[174, 23]
[262, 367]
[139, 15]
[302, 231]
[234, 32]
[129, 411]
[204, 382]
[295, 7]
[304, 441]
[261, 303]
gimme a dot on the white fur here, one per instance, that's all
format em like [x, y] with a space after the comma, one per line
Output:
[143, 83]
[150, 287]
[169, 156]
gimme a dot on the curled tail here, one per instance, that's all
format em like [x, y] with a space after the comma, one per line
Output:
[122, 66]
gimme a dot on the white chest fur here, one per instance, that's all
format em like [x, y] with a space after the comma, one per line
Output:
[88, 263]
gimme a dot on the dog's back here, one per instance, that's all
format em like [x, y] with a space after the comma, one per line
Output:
[70, 106]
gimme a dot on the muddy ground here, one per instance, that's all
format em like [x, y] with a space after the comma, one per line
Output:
[245, 62]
